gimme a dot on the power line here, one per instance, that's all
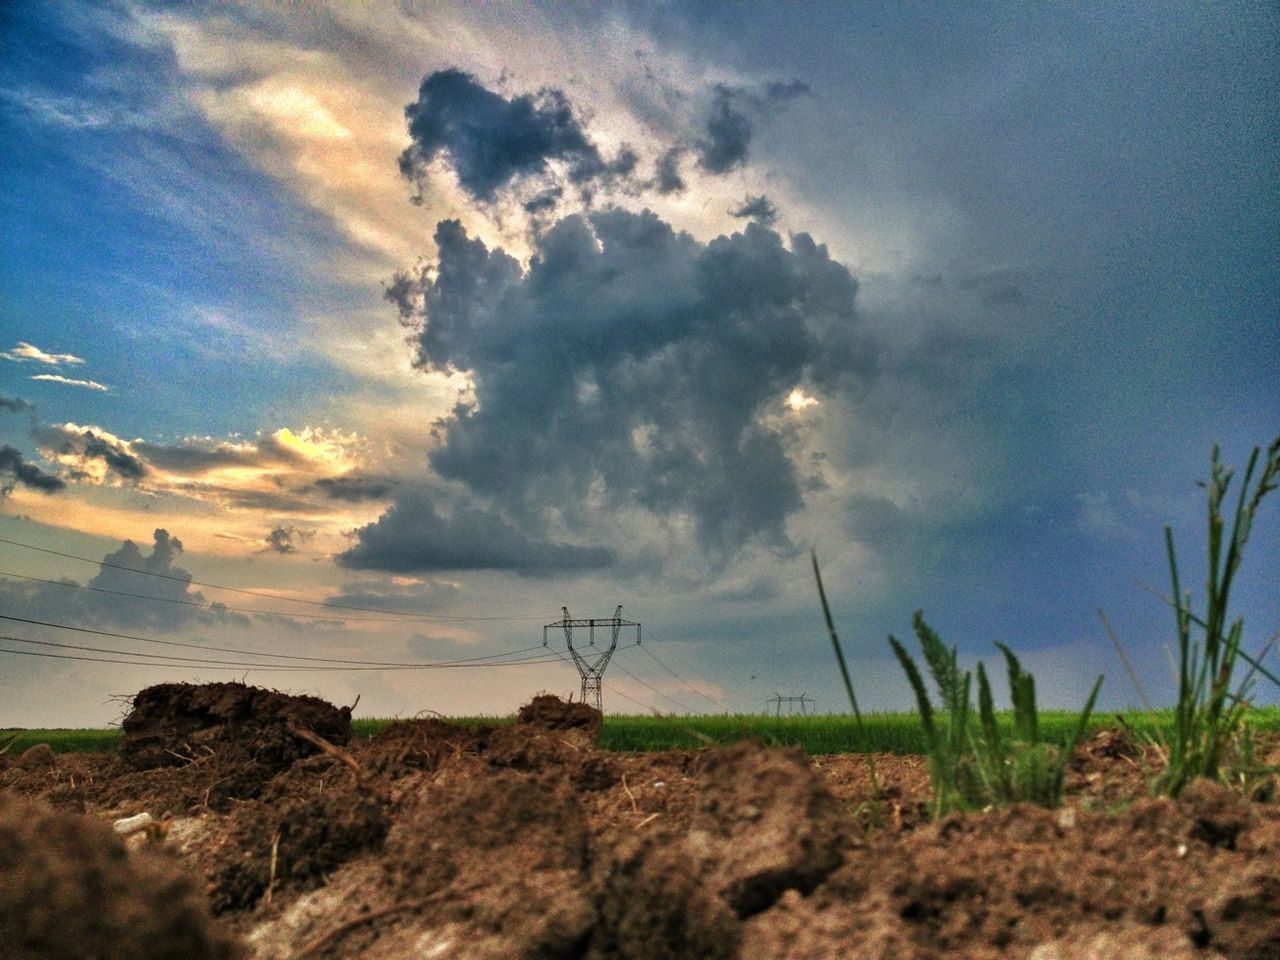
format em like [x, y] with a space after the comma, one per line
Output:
[168, 660]
[134, 663]
[655, 689]
[615, 692]
[189, 665]
[207, 605]
[406, 615]
[705, 696]
[277, 656]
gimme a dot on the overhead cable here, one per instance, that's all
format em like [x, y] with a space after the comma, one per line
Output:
[277, 656]
[207, 605]
[405, 615]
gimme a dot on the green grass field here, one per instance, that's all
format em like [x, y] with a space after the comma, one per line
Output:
[885, 732]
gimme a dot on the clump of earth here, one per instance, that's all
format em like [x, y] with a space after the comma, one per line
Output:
[279, 836]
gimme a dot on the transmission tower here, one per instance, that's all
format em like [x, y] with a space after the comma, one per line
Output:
[591, 662]
[777, 700]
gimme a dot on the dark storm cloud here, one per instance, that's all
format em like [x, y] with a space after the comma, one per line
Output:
[633, 366]
[285, 539]
[123, 463]
[413, 537]
[117, 595]
[780, 93]
[15, 470]
[728, 125]
[355, 489]
[491, 141]
[759, 209]
[198, 457]
[667, 177]
[544, 201]
[15, 405]
[726, 135]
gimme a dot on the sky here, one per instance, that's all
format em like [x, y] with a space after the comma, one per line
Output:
[340, 336]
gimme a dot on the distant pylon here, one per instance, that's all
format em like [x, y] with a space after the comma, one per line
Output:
[777, 700]
[592, 668]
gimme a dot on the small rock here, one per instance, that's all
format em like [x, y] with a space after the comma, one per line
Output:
[128, 825]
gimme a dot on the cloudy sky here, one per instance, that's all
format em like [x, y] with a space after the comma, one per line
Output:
[413, 323]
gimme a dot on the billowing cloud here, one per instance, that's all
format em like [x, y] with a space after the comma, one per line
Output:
[27, 353]
[491, 141]
[413, 537]
[758, 208]
[122, 595]
[14, 470]
[631, 366]
[72, 381]
[15, 405]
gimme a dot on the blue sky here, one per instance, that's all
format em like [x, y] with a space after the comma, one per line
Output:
[485, 311]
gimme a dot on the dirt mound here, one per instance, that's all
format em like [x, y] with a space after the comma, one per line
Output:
[294, 844]
[528, 841]
[421, 744]
[69, 889]
[172, 724]
[38, 757]
[1031, 882]
[546, 710]
[765, 823]
[227, 740]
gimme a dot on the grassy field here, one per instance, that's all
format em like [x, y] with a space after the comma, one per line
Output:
[885, 732]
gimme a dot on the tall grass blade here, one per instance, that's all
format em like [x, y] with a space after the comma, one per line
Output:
[1209, 723]
[1124, 661]
[876, 801]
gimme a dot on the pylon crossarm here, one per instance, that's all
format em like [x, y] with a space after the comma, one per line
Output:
[591, 668]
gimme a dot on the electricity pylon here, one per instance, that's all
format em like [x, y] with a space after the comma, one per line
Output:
[778, 700]
[590, 666]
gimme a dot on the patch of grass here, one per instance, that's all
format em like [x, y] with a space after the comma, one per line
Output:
[62, 741]
[1209, 735]
[973, 763]
[896, 733]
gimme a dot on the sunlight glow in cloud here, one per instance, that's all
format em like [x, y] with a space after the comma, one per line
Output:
[24, 352]
[798, 400]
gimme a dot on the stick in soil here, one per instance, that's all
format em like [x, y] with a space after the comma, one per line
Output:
[337, 933]
[334, 751]
[271, 875]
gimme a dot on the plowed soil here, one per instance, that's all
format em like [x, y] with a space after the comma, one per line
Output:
[278, 836]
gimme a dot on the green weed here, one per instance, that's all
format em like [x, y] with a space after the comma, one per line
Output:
[973, 762]
[1210, 737]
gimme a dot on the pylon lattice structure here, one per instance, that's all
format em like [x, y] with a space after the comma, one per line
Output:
[591, 661]
[777, 700]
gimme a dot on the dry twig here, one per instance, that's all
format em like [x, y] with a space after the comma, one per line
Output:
[334, 751]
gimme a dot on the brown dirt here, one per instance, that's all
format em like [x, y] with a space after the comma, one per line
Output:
[529, 842]
[69, 889]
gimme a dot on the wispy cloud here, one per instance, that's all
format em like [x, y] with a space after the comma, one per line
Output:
[71, 381]
[25, 352]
